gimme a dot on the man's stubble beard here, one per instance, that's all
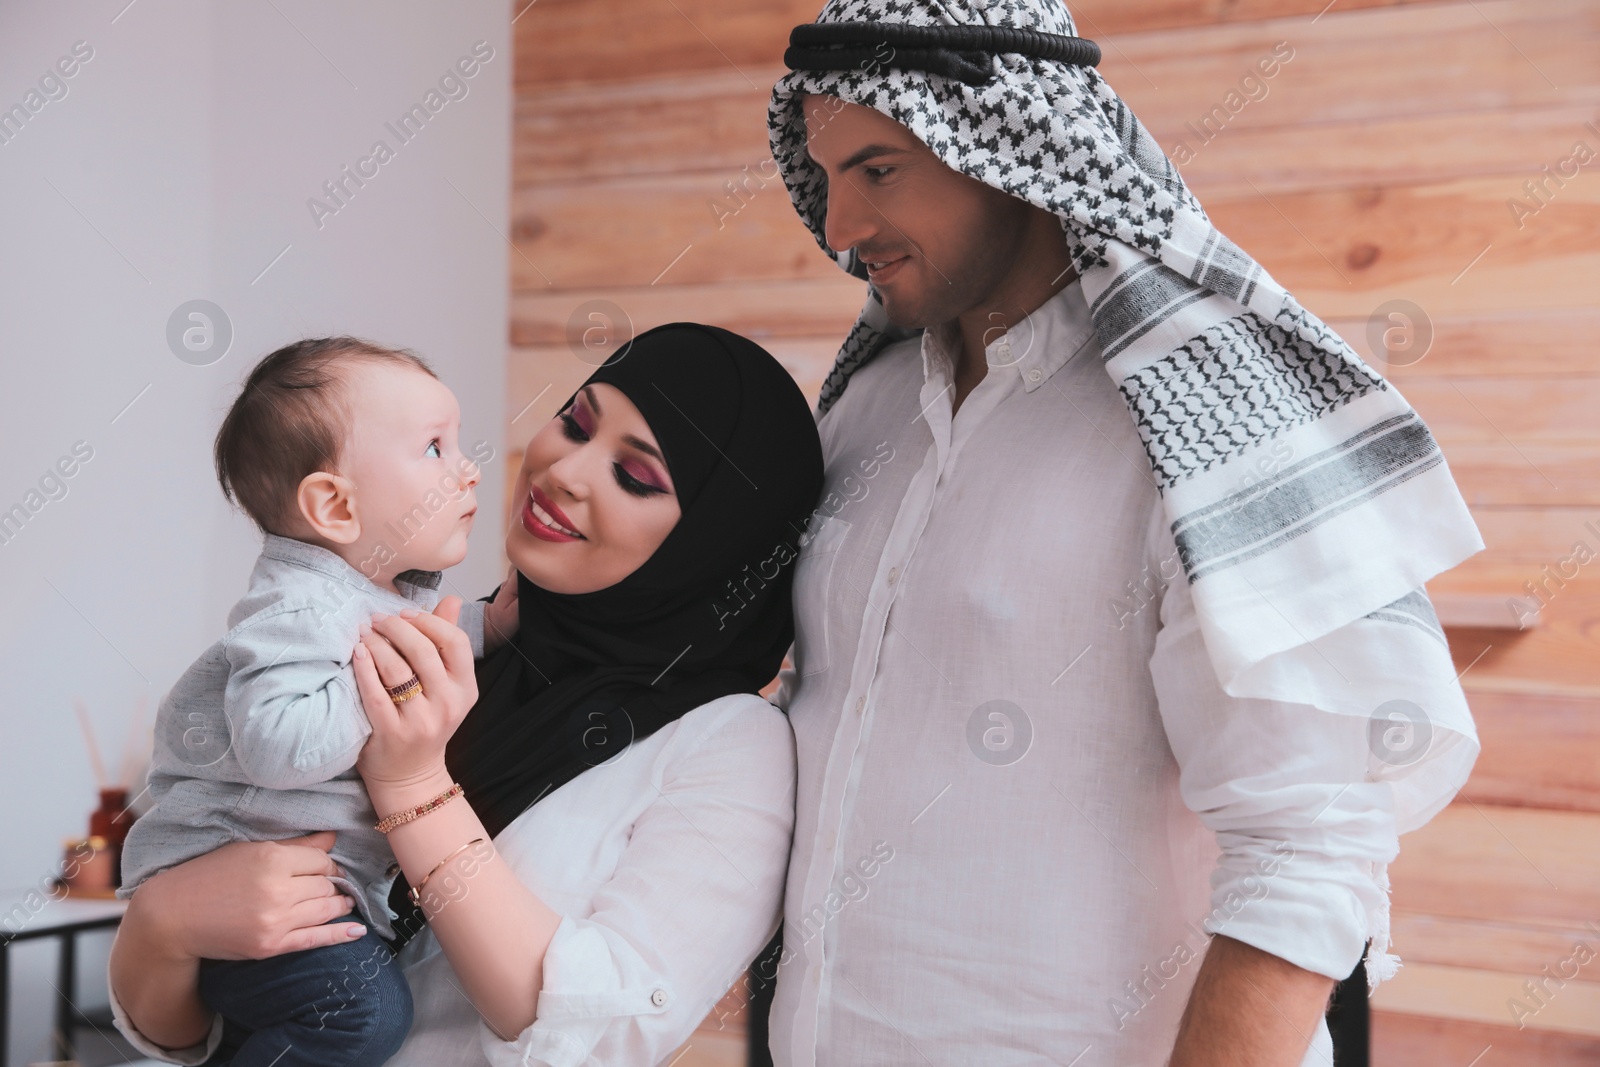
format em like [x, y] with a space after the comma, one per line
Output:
[981, 257]
[941, 300]
[971, 281]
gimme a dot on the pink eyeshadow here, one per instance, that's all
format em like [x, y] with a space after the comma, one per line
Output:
[585, 421]
[643, 473]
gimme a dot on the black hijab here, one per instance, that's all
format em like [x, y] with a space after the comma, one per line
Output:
[708, 614]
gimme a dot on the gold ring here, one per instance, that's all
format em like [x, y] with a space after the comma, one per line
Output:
[407, 689]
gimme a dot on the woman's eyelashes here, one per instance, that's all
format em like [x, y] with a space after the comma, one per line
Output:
[570, 427]
[633, 485]
[573, 431]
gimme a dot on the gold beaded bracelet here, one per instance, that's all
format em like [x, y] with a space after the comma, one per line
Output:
[400, 818]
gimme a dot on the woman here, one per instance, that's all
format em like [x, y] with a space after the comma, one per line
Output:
[637, 792]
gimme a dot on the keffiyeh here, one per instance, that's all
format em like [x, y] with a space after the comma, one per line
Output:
[1307, 501]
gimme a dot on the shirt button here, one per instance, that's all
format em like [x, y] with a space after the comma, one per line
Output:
[861, 704]
[392, 870]
[894, 572]
[1035, 375]
[659, 998]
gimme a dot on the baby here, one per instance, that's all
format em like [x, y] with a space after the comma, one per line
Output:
[345, 456]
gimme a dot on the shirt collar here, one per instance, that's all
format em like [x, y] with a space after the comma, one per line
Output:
[325, 561]
[1034, 349]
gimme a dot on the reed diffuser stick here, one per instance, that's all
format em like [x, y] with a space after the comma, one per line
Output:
[88, 740]
[130, 745]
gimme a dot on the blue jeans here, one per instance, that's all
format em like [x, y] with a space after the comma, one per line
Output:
[344, 1005]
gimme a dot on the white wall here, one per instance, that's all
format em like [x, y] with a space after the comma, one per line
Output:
[177, 166]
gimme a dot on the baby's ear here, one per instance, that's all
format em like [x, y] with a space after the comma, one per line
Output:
[326, 503]
[449, 609]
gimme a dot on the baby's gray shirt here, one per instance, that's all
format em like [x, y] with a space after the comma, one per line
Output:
[258, 740]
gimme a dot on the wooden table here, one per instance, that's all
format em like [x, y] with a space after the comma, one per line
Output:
[64, 920]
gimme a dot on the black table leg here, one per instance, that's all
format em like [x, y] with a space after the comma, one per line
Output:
[5, 1004]
[66, 979]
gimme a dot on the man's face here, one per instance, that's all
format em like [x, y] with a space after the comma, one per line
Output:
[936, 242]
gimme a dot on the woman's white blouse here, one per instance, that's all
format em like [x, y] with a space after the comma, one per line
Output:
[667, 864]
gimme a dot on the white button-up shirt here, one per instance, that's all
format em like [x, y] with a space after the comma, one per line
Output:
[666, 864]
[1017, 771]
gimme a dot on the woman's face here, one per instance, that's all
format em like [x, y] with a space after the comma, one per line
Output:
[594, 497]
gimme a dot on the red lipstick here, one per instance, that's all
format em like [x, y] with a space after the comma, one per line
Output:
[543, 530]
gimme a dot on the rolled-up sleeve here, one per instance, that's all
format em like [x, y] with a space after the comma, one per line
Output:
[195, 1054]
[1304, 835]
[294, 716]
[695, 896]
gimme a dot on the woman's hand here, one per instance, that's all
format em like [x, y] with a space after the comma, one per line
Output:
[246, 901]
[500, 618]
[406, 749]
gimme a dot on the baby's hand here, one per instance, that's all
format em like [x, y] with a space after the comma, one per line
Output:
[500, 618]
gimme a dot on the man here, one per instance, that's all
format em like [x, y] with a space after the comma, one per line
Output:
[1058, 668]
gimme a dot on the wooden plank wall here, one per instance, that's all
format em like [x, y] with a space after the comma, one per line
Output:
[1442, 153]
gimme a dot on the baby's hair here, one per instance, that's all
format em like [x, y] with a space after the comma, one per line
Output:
[289, 421]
